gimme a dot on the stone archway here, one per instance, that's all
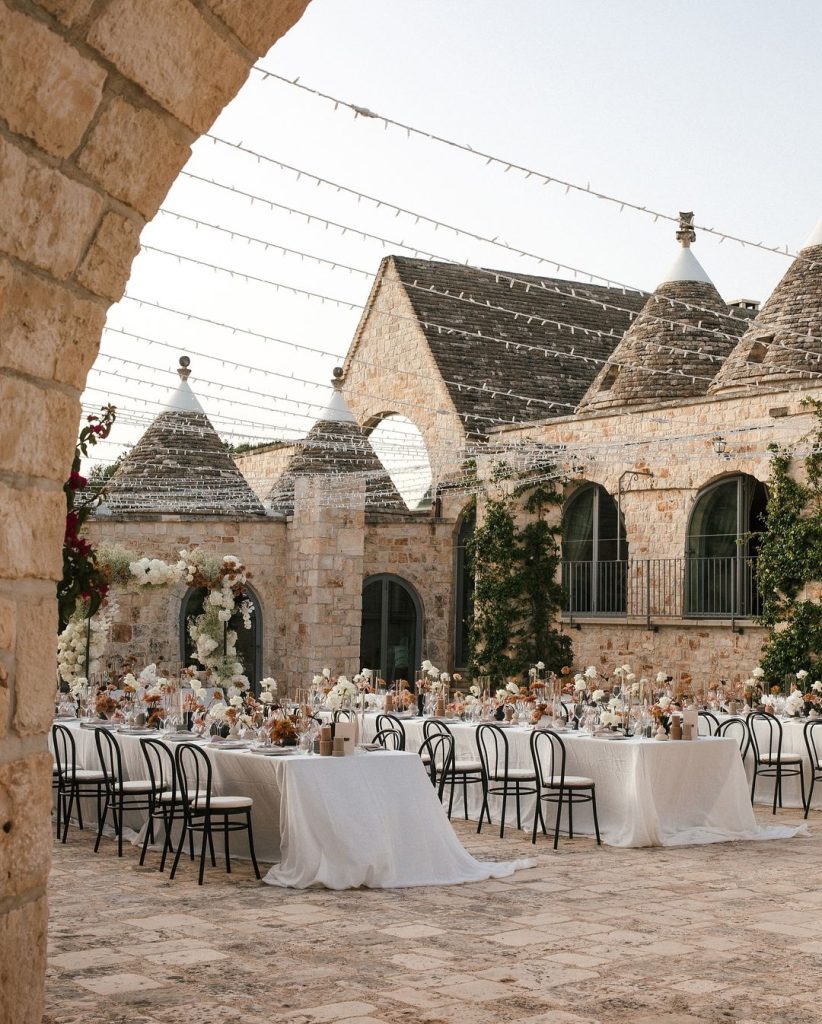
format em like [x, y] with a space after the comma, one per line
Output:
[100, 101]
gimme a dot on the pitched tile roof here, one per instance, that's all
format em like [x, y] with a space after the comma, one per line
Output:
[495, 317]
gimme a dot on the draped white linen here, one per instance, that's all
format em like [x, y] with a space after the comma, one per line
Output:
[369, 819]
[649, 793]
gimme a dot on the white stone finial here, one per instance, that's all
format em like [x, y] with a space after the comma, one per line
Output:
[183, 368]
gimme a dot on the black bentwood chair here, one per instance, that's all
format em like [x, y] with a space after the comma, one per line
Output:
[708, 724]
[736, 729]
[437, 753]
[813, 741]
[464, 772]
[555, 786]
[73, 783]
[390, 739]
[498, 777]
[386, 721]
[205, 813]
[121, 794]
[168, 800]
[769, 759]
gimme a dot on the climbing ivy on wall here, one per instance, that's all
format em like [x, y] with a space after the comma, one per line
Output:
[515, 559]
[790, 558]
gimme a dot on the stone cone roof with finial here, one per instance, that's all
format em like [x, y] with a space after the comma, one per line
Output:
[676, 343]
[784, 343]
[337, 444]
[180, 466]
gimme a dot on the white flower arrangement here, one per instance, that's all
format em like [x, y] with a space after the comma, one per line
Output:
[474, 690]
[326, 673]
[758, 673]
[817, 686]
[154, 572]
[591, 672]
[795, 703]
[598, 695]
[768, 700]
[664, 703]
[540, 666]
[662, 677]
[512, 687]
[80, 633]
[608, 718]
[580, 684]
[802, 675]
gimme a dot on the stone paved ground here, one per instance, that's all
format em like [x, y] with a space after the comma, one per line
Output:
[729, 932]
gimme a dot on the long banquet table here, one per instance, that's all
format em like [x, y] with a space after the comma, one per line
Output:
[370, 818]
[649, 793]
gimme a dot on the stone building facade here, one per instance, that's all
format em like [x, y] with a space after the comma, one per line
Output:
[656, 426]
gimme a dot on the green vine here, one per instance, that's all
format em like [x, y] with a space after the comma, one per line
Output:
[790, 558]
[516, 594]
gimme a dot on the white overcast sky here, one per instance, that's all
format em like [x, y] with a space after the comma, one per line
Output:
[710, 106]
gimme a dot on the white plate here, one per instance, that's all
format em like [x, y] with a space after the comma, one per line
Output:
[230, 745]
[274, 751]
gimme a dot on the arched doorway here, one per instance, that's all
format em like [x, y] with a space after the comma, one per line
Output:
[594, 553]
[391, 633]
[721, 547]
[249, 641]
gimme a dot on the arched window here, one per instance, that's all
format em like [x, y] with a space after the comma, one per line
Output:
[464, 590]
[721, 548]
[594, 553]
[249, 641]
[391, 635]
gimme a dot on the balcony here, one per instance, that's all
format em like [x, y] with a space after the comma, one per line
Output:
[662, 588]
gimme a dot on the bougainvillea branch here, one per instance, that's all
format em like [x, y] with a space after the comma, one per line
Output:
[82, 579]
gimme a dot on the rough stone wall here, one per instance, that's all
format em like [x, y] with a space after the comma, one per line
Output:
[263, 466]
[100, 101]
[390, 369]
[326, 541]
[673, 441]
[146, 627]
[421, 551]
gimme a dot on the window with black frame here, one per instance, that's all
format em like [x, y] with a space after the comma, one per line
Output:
[594, 553]
[724, 529]
[391, 632]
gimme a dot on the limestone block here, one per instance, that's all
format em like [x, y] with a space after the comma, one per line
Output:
[21, 976]
[114, 155]
[35, 666]
[8, 624]
[32, 524]
[39, 426]
[258, 25]
[105, 267]
[47, 331]
[51, 218]
[55, 104]
[25, 824]
[174, 54]
[69, 12]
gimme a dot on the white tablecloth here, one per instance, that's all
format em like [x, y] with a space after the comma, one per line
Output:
[369, 819]
[649, 793]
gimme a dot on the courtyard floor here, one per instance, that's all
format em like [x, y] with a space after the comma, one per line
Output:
[728, 932]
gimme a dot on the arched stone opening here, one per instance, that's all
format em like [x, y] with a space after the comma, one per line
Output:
[401, 448]
[99, 105]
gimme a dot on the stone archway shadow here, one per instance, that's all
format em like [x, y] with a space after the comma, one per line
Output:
[100, 101]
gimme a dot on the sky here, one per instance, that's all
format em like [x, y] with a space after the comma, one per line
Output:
[706, 106]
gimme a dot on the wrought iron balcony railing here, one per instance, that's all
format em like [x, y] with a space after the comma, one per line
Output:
[663, 588]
